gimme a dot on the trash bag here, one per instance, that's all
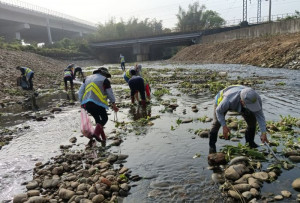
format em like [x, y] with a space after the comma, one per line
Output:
[21, 81]
[86, 126]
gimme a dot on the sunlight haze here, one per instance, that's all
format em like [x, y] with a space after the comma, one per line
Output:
[101, 11]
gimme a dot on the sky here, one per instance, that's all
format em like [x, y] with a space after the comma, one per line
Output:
[100, 11]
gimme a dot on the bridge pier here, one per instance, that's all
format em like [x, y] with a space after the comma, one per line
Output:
[141, 52]
[49, 32]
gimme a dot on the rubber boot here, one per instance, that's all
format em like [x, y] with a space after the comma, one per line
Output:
[99, 131]
[143, 102]
[250, 134]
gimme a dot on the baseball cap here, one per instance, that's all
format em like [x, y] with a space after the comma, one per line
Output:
[251, 99]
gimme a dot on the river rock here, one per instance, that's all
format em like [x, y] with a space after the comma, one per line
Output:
[242, 187]
[254, 192]
[187, 120]
[218, 178]
[296, 184]
[234, 172]
[112, 158]
[125, 187]
[123, 170]
[243, 179]
[254, 183]
[58, 170]
[73, 140]
[55, 109]
[37, 199]
[105, 181]
[173, 106]
[32, 193]
[298, 123]
[278, 197]
[32, 185]
[263, 176]
[254, 200]
[286, 193]
[50, 183]
[272, 175]
[234, 194]
[204, 134]
[208, 120]
[292, 153]
[222, 74]
[216, 159]
[294, 158]
[247, 195]
[65, 194]
[81, 187]
[114, 188]
[20, 198]
[98, 198]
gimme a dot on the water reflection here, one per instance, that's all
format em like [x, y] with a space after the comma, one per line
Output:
[138, 112]
[71, 96]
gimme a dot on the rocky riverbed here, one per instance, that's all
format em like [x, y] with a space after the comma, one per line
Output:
[168, 142]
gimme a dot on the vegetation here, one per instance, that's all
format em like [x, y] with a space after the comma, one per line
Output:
[64, 48]
[197, 18]
[133, 28]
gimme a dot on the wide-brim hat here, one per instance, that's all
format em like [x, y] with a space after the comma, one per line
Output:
[251, 99]
[103, 71]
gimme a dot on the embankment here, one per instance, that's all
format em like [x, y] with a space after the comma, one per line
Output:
[278, 51]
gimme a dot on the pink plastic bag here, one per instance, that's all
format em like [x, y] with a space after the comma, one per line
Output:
[86, 126]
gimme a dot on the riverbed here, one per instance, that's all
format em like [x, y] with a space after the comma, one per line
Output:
[163, 153]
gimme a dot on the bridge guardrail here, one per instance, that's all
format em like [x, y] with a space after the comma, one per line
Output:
[31, 7]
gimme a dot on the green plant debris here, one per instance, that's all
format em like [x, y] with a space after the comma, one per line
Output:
[242, 150]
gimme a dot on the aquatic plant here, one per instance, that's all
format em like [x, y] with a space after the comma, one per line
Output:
[160, 92]
[232, 151]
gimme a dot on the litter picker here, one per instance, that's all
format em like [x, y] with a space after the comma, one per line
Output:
[270, 149]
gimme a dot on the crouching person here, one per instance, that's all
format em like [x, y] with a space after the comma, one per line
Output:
[136, 84]
[93, 95]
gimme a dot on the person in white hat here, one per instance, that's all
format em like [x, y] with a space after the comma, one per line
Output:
[248, 103]
[93, 95]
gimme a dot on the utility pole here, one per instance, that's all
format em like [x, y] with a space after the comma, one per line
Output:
[258, 11]
[270, 5]
[244, 10]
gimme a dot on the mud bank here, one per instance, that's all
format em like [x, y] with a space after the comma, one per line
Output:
[278, 51]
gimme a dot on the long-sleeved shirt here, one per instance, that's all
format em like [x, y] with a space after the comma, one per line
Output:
[232, 102]
[136, 83]
[92, 92]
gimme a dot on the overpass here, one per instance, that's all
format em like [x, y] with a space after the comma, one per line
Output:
[143, 48]
[35, 24]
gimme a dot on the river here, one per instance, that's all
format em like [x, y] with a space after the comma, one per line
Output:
[164, 157]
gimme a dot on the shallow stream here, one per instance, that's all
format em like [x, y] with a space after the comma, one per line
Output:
[164, 157]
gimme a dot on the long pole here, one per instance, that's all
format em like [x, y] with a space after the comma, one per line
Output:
[270, 5]
[244, 10]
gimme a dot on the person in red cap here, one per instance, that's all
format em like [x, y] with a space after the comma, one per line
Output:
[245, 101]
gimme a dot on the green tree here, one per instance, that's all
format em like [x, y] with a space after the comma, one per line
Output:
[196, 18]
[133, 28]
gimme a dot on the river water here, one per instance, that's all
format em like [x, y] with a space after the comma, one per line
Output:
[164, 157]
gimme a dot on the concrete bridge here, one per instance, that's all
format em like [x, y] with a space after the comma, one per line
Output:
[35, 24]
[143, 49]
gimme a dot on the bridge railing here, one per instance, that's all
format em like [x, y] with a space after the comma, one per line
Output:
[31, 7]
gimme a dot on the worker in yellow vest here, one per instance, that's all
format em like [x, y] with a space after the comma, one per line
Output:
[28, 74]
[122, 60]
[93, 95]
[245, 101]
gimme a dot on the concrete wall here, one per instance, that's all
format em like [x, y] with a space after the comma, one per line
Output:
[287, 26]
